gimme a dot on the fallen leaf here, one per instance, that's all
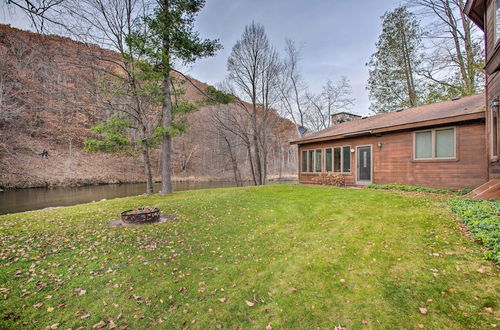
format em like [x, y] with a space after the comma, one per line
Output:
[488, 309]
[269, 327]
[364, 321]
[222, 300]
[50, 309]
[249, 303]
[420, 325]
[112, 324]
[423, 310]
[99, 325]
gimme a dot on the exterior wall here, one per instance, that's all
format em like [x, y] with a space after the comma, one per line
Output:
[492, 86]
[393, 162]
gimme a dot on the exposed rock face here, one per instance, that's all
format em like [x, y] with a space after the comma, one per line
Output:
[49, 101]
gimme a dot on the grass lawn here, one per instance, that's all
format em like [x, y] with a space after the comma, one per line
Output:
[279, 256]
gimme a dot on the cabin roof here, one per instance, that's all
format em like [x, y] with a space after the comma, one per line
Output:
[466, 108]
[475, 10]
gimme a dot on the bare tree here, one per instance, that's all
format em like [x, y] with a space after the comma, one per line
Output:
[227, 126]
[334, 97]
[292, 89]
[253, 76]
[454, 57]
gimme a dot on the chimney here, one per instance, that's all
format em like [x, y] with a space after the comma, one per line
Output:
[342, 117]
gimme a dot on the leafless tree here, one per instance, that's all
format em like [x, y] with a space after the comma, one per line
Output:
[335, 97]
[455, 47]
[253, 77]
[292, 89]
[227, 125]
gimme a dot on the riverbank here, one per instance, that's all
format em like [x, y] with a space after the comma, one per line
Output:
[20, 200]
[84, 182]
[278, 256]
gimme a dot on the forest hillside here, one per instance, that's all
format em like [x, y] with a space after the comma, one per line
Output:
[49, 101]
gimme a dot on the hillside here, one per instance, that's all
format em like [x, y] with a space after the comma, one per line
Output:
[49, 102]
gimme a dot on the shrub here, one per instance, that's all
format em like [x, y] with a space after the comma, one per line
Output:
[330, 179]
[403, 187]
[482, 218]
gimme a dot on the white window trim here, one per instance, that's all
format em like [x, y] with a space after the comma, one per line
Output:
[341, 159]
[433, 143]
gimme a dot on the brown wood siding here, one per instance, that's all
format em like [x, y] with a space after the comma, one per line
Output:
[393, 162]
[492, 85]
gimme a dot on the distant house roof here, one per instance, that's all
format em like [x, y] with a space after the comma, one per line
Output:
[466, 108]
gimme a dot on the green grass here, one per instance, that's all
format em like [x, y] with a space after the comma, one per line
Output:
[304, 256]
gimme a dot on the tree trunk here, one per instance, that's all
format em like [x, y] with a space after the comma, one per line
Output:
[147, 169]
[234, 162]
[166, 149]
[250, 160]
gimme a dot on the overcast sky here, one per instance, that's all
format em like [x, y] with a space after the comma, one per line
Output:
[337, 36]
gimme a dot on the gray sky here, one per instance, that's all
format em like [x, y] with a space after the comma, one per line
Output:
[337, 36]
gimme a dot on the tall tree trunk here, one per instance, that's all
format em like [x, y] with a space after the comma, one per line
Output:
[469, 49]
[250, 160]
[147, 169]
[166, 149]
[458, 49]
[234, 162]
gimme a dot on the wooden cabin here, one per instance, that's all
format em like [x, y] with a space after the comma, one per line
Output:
[486, 15]
[439, 145]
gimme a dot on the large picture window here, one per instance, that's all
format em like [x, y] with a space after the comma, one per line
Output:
[435, 144]
[311, 161]
[338, 159]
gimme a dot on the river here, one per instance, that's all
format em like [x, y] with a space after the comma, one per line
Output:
[12, 201]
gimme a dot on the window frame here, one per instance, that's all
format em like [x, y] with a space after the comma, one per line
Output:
[496, 23]
[341, 147]
[306, 151]
[493, 131]
[433, 144]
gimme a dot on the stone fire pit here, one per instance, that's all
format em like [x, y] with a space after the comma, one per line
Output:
[141, 216]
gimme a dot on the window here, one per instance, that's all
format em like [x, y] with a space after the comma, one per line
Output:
[304, 161]
[494, 132]
[346, 159]
[497, 20]
[311, 161]
[338, 159]
[317, 161]
[435, 144]
[328, 160]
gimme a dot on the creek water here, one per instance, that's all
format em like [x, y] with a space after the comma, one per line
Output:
[20, 200]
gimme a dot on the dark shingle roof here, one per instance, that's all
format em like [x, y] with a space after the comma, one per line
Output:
[421, 114]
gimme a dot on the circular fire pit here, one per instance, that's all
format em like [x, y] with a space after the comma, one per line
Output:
[141, 215]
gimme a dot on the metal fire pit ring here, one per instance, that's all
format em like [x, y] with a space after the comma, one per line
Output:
[141, 215]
